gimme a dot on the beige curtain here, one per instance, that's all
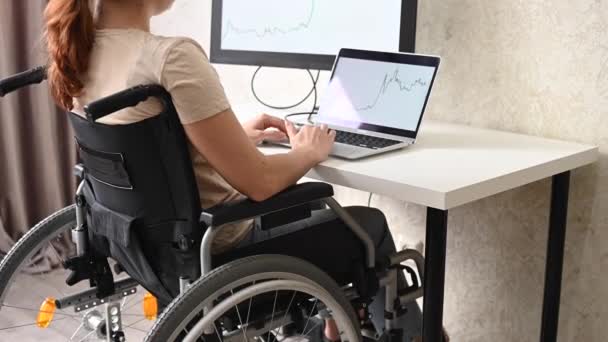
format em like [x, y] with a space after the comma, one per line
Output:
[36, 145]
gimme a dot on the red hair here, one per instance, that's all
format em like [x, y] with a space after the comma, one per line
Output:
[70, 34]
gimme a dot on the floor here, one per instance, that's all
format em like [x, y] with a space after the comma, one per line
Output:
[22, 302]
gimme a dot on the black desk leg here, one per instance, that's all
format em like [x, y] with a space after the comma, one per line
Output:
[555, 256]
[434, 274]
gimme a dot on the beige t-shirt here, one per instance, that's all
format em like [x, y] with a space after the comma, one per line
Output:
[124, 58]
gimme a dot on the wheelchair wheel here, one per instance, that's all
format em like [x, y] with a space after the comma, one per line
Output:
[32, 271]
[267, 298]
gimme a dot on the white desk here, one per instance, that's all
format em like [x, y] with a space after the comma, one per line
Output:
[451, 165]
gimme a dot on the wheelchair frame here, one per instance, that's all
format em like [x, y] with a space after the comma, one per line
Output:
[388, 281]
[214, 218]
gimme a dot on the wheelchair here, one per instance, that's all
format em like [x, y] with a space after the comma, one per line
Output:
[136, 226]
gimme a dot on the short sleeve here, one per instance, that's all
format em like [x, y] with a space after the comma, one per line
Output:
[192, 82]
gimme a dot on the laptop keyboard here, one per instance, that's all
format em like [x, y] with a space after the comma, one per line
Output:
[365, 141]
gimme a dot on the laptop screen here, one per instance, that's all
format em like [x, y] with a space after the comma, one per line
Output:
[377, 95]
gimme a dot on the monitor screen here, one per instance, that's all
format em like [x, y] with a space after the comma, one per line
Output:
[307, 33]
[382, 96]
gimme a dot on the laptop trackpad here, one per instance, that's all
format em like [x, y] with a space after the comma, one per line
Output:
[338, 150]
[345, 151]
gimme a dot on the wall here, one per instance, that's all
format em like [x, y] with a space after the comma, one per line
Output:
[535, 67]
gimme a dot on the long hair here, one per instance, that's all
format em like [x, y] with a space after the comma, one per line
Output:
[70, 34]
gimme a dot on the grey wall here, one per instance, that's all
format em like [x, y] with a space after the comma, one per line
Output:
[535, 67]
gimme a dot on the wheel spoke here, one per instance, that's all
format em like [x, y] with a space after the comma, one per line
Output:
[35, 261]
[35, 310]
[274, 304]
[66, 315]
[249, 308]
[310, 315]
[50, 283]
[132, 315]
[134, 328]
[134, 323]
[86, 336]
[240, 320]
[76, 332]
[219, 337]
[313, 328]
[132, 304]
[288, 307]
[127, 301]
[59, 257]
[27, 325]
[41, 296]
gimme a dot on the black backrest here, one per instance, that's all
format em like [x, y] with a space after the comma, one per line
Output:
[142, 198]
[141, 190]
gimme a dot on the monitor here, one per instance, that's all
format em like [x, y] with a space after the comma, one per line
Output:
[307, 34]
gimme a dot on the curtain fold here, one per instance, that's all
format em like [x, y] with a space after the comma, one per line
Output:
[37, 152]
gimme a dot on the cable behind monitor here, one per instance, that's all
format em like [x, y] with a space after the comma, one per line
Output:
[313, 92]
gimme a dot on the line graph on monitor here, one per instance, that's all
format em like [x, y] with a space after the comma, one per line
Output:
[231, 28]
[390, 79]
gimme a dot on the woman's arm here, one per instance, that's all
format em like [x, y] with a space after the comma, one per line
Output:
[222, 140]
[215, 132]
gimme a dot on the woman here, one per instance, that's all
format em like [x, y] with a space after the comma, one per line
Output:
[93, 54]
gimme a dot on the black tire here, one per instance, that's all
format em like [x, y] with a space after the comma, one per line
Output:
[184, 305]
[32, 240]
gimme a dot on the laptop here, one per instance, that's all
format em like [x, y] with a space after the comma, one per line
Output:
[375, 100]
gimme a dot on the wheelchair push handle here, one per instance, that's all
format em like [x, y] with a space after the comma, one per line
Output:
[124, 99]
[24, 79]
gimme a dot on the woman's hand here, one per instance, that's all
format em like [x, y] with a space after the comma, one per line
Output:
[265, 127]
[316, 141]
[223, 142]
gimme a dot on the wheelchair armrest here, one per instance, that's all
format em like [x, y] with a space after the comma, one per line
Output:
[246, 209]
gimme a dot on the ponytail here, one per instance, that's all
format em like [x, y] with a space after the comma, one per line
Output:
[70, 34]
